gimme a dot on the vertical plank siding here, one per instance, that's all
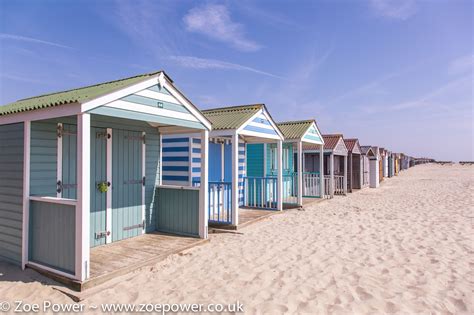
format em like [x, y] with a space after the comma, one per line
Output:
[11, 192]
[43, 171]
[178, 211]
[52, 235]
[98, 174]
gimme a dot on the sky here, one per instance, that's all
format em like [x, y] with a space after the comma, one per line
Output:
[396, 74]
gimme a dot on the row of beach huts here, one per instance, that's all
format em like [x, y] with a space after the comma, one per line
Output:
[92, 166]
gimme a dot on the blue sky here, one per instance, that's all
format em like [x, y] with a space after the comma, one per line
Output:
[397, 74]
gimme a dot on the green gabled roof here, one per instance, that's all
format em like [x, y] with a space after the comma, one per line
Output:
[80, 95]
[231, 117]
[295, 129]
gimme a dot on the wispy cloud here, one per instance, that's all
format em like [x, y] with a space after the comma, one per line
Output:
[462, 65]
[394, 9]
[21, 78]
[435, 98]
[203, 63]
[20, 38]
[214, 21]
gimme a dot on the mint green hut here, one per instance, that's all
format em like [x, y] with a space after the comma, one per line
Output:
[82, 168]
[261, 161]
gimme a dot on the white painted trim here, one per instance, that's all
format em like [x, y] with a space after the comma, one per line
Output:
[143, 176]
[321, 170]
[241, 130]
[299, 165]
[26, 191]
[345, 176]
[87, 106]
[108, 211]
[313, 124]
[59, 157]
[280, 175]
[178, 187]
[82, 266]
[258, 135]
[331, 173]
[264, 160]
[41, 114]
[235, 178]
[203, 188]
[56, 200]
[145, 109]
[160, 179]
[58, 272]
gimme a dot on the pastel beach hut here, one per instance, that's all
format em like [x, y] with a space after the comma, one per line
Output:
[235, 183]
[299, 136]
[82, 168]
[366, 154]
[374, 164]
[335, 164]
[354, 179]
[384, 163]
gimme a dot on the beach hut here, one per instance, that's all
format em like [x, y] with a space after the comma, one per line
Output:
[234, 181]
[298, 134]
[366, 154]
[374, 161]
[354, 179]
[335, 163]
[397, 164]
[81, 168]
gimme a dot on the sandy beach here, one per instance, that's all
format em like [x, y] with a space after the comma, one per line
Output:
[406, 247]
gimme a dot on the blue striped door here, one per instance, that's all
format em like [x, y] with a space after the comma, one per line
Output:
[215, 162]
[98, 226]
[127, 184]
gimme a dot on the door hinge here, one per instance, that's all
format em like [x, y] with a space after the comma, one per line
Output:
[144, 180]
[144, 139]
[59, 130]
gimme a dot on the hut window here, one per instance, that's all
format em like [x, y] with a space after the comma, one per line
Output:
[274, 158]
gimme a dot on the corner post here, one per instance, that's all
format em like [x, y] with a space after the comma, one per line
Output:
[345, 175]
[83, 197]
[280, 175]
[300, 171]
[331, 170]
[203, 188]
[235, 178]
[321, 171]
[26, 192]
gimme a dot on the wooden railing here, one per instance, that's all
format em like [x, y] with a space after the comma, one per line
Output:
[338, 185]
[365, 178]
[220, 202]
[260, 192]
[311, 184]
[327, 186]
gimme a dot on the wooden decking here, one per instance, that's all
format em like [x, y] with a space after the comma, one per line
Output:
[117, 259]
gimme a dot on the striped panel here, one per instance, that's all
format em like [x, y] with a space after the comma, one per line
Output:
[196, 158]
[261, 125]
[313, 135]
[11, 192]
[176, 157]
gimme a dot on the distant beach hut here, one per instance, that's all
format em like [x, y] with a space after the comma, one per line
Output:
[335, 163]
[366, 154]
[81, 169]
[374, 161]
[354, 179]
[234, 180]
[298, 135]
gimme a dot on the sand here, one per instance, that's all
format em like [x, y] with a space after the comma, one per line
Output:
[406, 247]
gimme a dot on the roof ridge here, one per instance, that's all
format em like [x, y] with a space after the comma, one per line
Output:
[230, 108]
[295, 121]
[92, 85]
[333, 135]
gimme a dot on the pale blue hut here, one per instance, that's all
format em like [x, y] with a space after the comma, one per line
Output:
[82, 168]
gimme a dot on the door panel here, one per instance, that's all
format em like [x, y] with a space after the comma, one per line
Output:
[98, 224]
[127, 184]
[69, 160]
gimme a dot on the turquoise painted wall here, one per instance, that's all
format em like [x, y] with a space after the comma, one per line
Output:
[254, 160]
[52, 235]
[177, 211]
[11, 192]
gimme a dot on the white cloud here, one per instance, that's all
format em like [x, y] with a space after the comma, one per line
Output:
[462, 65]
[394, 9]
[202, 63]
[215, 22]
[4, 36]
